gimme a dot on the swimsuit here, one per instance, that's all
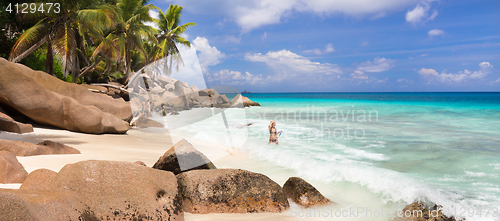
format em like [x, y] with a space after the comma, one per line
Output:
[271, 132]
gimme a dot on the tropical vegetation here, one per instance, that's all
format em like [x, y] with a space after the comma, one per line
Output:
[93, 40]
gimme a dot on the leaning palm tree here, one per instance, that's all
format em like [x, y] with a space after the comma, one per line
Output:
[63, 33]
[169, 36]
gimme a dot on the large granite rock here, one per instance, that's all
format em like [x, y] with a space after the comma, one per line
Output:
[247, 102]
[21, 148]
[105, 103]
[14, 126]
[183, 157]
[144, 122]
[33, 205]
[173, 94]
[38, 180]
[230, 191]
[20, 90]
[303, 193]
[11, 171]
[418, 211]
[7, 123]
[121, 190]
[242, 101]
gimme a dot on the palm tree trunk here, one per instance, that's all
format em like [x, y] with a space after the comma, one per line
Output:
[128, 60]
[86, 70]
[79, 42]
[76, 69]
[49, 61]
[30, 50]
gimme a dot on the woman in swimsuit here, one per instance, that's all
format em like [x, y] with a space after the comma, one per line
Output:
[273, 132]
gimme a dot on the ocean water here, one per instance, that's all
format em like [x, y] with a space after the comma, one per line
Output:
[387, 149]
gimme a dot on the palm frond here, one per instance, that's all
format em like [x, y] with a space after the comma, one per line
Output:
[29, 38]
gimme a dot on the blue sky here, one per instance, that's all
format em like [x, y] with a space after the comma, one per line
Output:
[346, 45]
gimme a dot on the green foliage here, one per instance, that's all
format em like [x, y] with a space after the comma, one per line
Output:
[36, 61]
[94, 40]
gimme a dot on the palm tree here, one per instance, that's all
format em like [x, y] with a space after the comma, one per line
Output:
[127, 32]
[170, 34]
[63, 33]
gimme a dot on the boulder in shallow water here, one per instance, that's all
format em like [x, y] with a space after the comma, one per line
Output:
[230, 191]
[183, 157]
[418, 211]
[11, 171]
[303, 193]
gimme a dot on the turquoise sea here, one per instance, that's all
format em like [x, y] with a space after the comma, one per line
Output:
[396, 148]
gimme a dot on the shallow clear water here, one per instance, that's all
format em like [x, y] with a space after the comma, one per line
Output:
[442, 148]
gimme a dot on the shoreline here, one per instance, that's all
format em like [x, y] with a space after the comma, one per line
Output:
[147, 145]
[138, 145]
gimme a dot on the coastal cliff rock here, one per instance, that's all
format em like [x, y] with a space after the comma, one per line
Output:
[183, 157]
[303, 193]
[11, 171]
[21, 148]
[418, 211]
[230, 191]
[25, 94]
[121, 190]
[38, 180]
[33, 205]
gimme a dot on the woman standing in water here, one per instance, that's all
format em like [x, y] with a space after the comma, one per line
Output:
[273, 132]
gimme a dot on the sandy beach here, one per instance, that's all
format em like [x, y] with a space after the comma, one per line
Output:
[147, 145]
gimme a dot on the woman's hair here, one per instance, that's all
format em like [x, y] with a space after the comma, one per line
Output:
[271, 124]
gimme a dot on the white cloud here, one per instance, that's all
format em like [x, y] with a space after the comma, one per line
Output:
[497, 81]
[185, 35]
[252, 14]
[377, 65]
[234, 78]
[328, 49]
[420, 13]
[209, 55]
[359, 75]
[153, 14]
[424, 71]
[288, 64]
[435, 32]
[231, 39]
[431, 74]
[484, 69]
[264, 36]
[404, 80]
